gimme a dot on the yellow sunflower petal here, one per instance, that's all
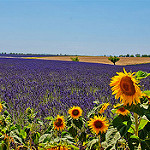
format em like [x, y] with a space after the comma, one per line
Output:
[75, 112]
[124, 86]
[98, 124]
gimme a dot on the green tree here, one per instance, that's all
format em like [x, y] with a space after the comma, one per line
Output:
[137, 55]
[113, 59]
[75, 59]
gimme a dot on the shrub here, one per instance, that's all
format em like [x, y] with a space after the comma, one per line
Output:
[75, 59]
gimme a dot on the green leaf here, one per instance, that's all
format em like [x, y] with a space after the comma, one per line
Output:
[74, 147]
[148, 116]
[96, 102]
[117, 121]
[63, 133]
[133, 142]
[6, 113]
[16, 138]
[72, 131]
[12, 128]
[141, 74]
[113, 111]
[49, 128]
[82, 137]
[44, 138]
[134, 137]
[49, 118]
[131, 129]
[136, 108]
[143, 122]
[35, 137]
[123, 123]
[23, 134]
[91, 143]
[142, 134]
[40, 122]
[78, 123]
[112, 136]
[145, 144]
[147, 92]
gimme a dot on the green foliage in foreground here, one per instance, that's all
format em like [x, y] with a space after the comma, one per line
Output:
[113, 59]
[125, 131]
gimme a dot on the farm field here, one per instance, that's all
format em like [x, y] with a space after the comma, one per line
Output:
[51, 87]
[100, 59]
[46, 84]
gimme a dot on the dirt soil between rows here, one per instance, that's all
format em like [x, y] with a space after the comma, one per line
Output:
[99, 59]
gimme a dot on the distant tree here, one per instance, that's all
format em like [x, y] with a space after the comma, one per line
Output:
[131, 55]
[145, 55]
[75, 59]
[137, 55]
[113, 59]
[127, 55]
[122, 55]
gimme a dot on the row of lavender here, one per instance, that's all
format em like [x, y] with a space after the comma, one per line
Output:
[52, 87]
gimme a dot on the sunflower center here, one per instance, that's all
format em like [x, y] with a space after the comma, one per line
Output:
[75, 112]
[59, 122]
[98, 124]
[127, 86]
[122, 109]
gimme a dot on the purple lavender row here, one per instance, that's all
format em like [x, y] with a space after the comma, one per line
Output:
[52, 87]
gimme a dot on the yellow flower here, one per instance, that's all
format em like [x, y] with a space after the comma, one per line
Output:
[104, 107]
[58, 148]
[75, 112]
[59, 123]
[121, 110]
[98, 124]
[1, 107]
[125, 86]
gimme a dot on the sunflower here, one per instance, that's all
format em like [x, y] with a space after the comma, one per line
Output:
[104, 107]
[58, 148]
[1, 107]
[59, 123]
[121, 110]
[125, 86]
[75, 112]
[98, 124]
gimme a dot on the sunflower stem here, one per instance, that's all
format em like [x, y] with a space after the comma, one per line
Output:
[136, 124]
[99, 142]
[8, 146]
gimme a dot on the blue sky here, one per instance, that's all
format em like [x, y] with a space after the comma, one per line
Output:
[83, 27]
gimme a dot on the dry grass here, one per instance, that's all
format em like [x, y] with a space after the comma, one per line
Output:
[100, 59]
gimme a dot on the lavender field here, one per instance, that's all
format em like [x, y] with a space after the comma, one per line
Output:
[51, 87]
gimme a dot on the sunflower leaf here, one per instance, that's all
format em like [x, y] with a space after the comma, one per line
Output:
[78, 123]
[74, 147]
[140, 75]
[147, 92]
[136, 108]
[143, 122]
[91, 143]
[72, 131]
